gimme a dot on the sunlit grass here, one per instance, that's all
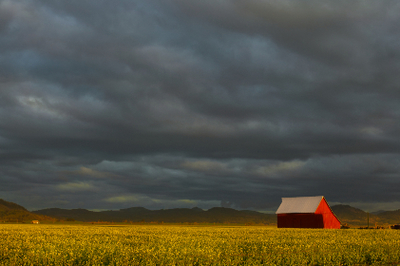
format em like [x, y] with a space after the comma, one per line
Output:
[194, 245]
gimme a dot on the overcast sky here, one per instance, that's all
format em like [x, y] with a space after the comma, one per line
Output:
[182, 103]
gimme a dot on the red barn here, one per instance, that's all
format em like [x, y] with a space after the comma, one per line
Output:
[306, 212]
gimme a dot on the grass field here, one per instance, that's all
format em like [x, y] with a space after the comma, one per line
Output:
[194, 245]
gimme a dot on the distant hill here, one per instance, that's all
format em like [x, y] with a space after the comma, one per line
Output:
[180, 215]
[350, 215]
[12, 212]
[377, 212]
[346, 214]
[356, 217]
[392, 217]
[6, 205]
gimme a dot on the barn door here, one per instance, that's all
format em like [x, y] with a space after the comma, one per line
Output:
[296, 222]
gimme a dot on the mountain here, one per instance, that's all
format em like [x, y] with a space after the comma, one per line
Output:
[377, 212]
[74, 214]
[392, 217]
[6, 205]
[346, 214]
[179, 215]
[356, 217]
[12, 212]
[353, 216]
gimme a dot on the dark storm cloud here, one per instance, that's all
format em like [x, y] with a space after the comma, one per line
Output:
[198, 103]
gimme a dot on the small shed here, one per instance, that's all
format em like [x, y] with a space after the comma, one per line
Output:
[35, 221]
[306, 212]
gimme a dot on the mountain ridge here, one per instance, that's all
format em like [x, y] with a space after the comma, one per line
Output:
[12, 212]
[346, 214]
[177, 215]
[357, 217]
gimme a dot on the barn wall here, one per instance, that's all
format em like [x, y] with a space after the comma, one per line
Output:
[300, 220]
[329, 219]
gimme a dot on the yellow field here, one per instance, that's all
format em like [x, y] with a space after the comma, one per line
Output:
[194, 245]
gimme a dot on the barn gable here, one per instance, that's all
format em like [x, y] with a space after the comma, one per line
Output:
[306, 212]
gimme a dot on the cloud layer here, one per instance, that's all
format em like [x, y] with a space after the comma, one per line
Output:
[198, 103]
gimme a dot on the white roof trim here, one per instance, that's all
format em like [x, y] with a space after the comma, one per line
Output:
[299, 205]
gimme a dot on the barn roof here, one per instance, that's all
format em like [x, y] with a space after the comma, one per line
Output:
[299, 205]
